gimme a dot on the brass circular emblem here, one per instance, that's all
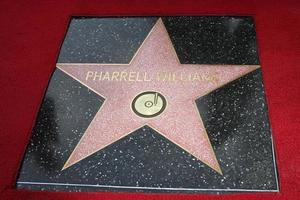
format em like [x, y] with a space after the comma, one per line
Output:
[149, 104]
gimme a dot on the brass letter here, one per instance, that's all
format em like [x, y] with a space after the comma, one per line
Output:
[97, 75]
[123, 76]
[89, 74]
[115, 75]
[131, 76]
[106, 76]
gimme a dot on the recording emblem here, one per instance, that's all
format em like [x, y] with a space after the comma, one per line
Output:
[149, 104]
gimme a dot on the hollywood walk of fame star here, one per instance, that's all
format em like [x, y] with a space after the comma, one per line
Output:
[179, 121]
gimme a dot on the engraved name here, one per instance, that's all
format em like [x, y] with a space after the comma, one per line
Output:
[134, 76]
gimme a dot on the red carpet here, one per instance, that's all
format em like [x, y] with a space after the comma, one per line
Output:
[31, 35]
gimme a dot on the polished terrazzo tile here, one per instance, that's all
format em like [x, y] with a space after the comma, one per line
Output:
[228, 149]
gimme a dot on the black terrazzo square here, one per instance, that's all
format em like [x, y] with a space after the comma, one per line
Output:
[235, 114]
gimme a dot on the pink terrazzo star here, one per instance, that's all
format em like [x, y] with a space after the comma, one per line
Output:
[180, 122]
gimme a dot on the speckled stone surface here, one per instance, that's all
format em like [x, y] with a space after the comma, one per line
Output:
[235, 115]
